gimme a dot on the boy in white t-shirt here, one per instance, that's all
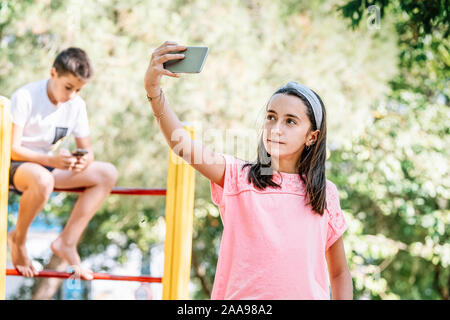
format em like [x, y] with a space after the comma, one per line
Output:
[44, 112]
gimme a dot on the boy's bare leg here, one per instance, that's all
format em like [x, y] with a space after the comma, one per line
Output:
[36, 183]
[98, 178]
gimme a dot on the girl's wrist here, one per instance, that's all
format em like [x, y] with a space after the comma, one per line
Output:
[153, 91]
[159, 107]
[152, 97]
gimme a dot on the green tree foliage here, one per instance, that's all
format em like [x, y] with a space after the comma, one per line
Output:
[398, 169]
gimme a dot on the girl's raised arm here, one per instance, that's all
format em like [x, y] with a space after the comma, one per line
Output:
[201, 158]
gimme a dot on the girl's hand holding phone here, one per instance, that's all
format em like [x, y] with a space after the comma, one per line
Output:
[156, 70]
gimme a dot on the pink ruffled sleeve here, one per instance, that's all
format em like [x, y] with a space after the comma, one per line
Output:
[336, 223]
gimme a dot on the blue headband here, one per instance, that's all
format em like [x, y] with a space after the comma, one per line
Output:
[310, 96]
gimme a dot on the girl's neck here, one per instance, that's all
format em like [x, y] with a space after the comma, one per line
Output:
[285, 166]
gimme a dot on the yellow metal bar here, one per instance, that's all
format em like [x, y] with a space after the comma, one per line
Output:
[179, 224]
[5, 156]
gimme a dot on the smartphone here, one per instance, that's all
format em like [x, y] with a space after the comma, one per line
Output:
[194, 59]
[79, 152]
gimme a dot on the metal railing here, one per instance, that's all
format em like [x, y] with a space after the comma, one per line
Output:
[179, 209]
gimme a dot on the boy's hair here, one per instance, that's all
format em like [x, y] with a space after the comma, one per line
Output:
[311, 164]
[74, 61]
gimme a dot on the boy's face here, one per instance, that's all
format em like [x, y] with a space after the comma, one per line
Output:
[64, 87]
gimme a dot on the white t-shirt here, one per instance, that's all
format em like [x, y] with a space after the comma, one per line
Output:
[44, 123]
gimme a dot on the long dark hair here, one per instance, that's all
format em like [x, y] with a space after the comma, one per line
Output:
[311, 164]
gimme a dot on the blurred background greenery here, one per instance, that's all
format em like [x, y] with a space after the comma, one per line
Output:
[381, 68]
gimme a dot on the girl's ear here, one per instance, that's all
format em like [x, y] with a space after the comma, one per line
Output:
[312, 138]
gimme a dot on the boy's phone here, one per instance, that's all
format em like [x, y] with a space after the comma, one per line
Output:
[194, 59]
[79, 152]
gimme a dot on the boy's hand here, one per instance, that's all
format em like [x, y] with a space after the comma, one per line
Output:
[156, 69]
[63, 160]
[81, 163]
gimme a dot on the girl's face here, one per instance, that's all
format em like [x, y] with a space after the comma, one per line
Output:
[287, 129]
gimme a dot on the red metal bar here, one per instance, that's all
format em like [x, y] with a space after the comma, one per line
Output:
[123, 191]
[139, 191]
[97, 276]
[100, 276]
[119, 190]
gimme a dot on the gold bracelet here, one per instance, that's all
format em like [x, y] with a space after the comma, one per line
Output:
[151, 98]
[158, 117]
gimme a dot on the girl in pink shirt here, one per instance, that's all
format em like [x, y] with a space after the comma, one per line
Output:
[283, 225]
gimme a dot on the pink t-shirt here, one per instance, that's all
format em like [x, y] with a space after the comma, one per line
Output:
[273, 245]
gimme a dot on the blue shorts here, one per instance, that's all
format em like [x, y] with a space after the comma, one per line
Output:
[12, 171]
